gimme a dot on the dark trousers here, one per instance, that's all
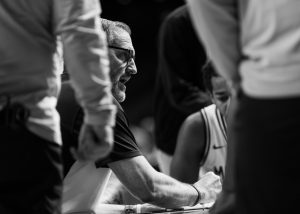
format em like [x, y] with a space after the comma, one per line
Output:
[30, 172]
[264, 135]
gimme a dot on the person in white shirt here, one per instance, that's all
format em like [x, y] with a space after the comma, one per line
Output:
[30, 154]
[254, 44]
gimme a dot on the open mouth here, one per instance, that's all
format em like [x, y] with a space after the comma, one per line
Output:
[123, 80]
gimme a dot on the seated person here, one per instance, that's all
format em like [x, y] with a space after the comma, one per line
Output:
[202, 140]
[85, 181]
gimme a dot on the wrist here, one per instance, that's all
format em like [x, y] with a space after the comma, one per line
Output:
[197, 201]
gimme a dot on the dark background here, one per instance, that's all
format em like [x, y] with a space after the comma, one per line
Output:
[144, 17]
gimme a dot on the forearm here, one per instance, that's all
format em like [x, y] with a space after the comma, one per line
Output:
[170, 193]
[216, 22]
[86, 58]
[150, 186]
[89, 78]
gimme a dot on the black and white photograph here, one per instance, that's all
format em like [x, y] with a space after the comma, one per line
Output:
[149, 106]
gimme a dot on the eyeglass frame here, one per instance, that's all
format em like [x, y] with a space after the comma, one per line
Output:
[130, 52]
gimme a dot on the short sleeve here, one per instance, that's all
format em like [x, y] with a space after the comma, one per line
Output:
[125, 145]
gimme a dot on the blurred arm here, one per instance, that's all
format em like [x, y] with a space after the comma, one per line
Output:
[86, 57]
[216, 22]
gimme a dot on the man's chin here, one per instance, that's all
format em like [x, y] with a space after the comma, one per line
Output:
[118, 94]
[120, 97]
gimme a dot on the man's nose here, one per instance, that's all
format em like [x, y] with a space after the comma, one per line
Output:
[131, 68]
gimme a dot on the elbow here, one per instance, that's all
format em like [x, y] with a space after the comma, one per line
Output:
[148, 198]
[151, 198]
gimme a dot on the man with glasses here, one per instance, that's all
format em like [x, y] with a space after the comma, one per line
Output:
[85, 181]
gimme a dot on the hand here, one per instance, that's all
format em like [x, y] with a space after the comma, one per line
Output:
[209, 186]
[95, 142]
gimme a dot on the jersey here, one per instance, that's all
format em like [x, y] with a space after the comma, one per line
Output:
[215, 141]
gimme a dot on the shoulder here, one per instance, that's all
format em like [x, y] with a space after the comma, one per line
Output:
[192, 130]
[194, 121]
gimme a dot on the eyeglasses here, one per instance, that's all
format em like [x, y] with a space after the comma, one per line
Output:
[128, 56]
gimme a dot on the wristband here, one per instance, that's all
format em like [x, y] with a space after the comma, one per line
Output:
[198, 196]
[138, 208]
[130, 209]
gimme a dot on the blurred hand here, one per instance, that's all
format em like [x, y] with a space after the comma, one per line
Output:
[209, 186]
[95, 142]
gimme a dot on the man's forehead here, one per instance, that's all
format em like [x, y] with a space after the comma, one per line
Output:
[120, 36]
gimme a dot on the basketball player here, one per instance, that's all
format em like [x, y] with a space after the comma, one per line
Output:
[202, 138]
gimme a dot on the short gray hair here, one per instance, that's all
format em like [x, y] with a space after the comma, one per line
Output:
[109, 26]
